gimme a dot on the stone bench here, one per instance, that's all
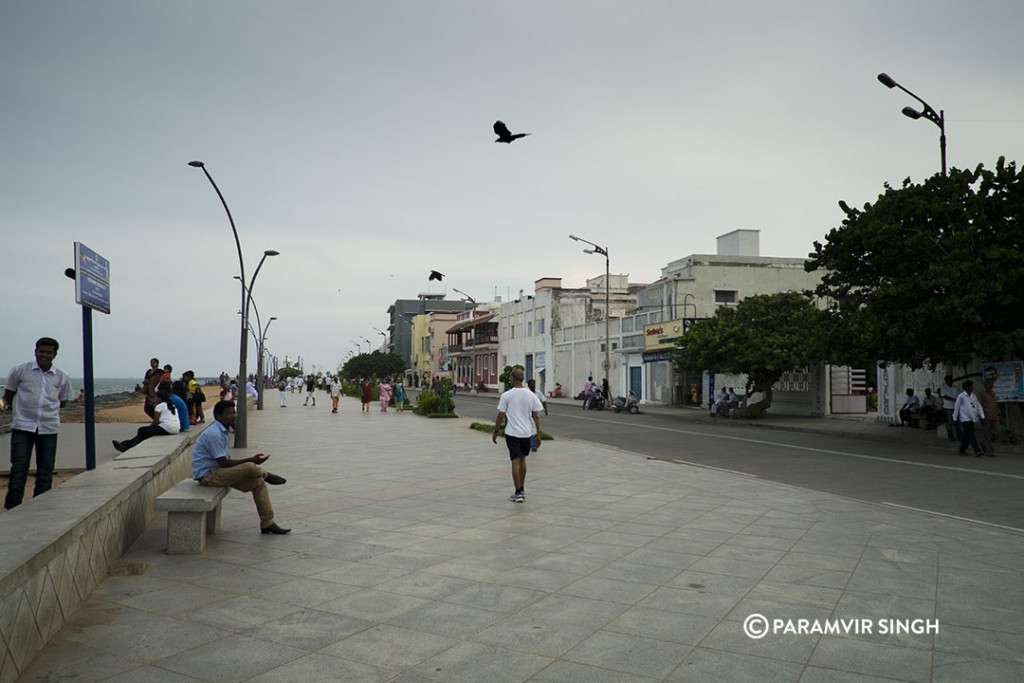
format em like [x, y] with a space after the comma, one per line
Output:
[192, 511]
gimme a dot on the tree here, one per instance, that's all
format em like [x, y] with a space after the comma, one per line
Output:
[930, 272]
[762, 336]
[376, 364]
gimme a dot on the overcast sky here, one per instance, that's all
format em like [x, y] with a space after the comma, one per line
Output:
[355, 138]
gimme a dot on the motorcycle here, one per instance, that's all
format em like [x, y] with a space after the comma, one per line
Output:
[596, 400]
[623, 403]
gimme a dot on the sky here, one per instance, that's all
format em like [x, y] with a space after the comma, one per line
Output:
[355, 139]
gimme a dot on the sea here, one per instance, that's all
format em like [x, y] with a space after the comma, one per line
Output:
[107, 385]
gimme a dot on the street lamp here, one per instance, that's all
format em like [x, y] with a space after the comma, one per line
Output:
[359, 348]
[603, 251]
[927, 112]
[240, 419]
[384, 346]
[369, 344]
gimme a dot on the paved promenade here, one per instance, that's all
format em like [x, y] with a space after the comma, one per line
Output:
[407, 563]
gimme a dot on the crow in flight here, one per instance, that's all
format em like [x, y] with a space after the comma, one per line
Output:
[434, 275]
[505, 135]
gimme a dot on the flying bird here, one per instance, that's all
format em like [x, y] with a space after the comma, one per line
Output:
[505, 135]
[434, 275]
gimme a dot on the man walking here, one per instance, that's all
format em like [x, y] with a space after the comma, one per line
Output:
[335, 394]
[35, 391]
[966, 412]
[993, 417]
[310, 387]
[519, 412]
[948, 393]
[212, 466]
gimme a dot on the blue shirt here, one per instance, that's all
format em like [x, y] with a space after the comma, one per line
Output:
[181, 410]
[212, 444]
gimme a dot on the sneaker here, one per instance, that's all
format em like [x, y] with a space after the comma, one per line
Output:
[514, 496]
[519, 497]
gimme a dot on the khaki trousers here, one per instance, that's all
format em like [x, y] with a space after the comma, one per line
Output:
[245, 477]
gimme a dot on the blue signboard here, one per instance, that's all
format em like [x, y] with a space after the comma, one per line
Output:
[92, 279]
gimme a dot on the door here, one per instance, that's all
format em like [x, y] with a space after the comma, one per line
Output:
[636, 381]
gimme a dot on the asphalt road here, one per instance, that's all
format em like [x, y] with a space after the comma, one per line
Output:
[929, 478]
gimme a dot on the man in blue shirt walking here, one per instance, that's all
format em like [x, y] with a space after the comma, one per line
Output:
[213, 466]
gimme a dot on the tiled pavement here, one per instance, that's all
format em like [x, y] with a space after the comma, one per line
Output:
[407, 563]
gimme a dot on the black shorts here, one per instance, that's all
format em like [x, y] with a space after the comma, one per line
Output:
[518, 447]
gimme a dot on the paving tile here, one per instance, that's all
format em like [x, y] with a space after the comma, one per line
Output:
[308, 629]
[323, 668]
[674, 627]
[390, 647]
[729, 636]
[446, 619]
[704, 665]
[629, 654]
[470, 662]
[230, 659]
[874, 659]
[372, 605]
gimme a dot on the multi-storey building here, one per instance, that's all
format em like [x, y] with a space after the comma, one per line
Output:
[401, 314]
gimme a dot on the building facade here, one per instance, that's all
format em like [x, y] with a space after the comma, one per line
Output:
[401, 314]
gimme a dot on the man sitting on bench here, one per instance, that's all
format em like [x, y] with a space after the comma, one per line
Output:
[911, 408]
[212, 466]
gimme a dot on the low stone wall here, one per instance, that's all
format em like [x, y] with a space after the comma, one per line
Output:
[57, 548]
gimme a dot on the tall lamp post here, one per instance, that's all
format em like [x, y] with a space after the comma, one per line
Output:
[603, 251]
[926, 112]
[384, 346]
[241, 432]
[369, 344]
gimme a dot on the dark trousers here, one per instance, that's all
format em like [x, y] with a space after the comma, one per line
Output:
[142, 434]
[22, 443]
[967, 438]
[951, 425]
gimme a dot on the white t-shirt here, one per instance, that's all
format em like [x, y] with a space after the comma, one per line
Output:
[519, 404]
[169, 421]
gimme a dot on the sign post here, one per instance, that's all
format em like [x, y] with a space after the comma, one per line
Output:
[92, 291]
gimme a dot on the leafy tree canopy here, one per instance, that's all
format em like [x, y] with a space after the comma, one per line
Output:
[930, 272]
[762, 336]
[376, 364]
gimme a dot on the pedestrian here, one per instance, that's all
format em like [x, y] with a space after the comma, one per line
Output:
[519, 412]
[35, 392]
[166, 420]
[283, 387]
[335, 393]
[212, 466]
[366, 393]
[993, 418]
[532, 386]
[399, 397]
[149, 384]
[967, 412]
[385, 394]
[948, 393]
[588, 390]
[310, 387]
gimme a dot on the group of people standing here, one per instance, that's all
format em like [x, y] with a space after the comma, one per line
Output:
[972, 418]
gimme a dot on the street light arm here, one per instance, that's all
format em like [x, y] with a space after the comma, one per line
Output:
[928, 112]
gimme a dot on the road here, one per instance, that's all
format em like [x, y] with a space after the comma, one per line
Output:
[930, 478]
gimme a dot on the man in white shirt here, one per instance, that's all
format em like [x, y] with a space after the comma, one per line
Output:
[948, 393]
[911, 407]
[35, 391]
[966, 412]
[519, 412]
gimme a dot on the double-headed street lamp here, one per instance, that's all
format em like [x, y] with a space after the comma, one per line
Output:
[241, 423]
[384, 346]
[472, 357]
[260, 337]
[603, 251]
[939, 119]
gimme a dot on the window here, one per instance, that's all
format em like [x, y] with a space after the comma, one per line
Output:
[627, 324]
[540, 326]
[529, 328]
[725, 296]
[512, 331]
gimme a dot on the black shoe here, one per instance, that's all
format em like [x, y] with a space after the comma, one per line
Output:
[963, 452]
[274, 529]
[118, 447]
[274, 479]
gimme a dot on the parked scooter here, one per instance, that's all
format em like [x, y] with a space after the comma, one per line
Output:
[631, 404]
